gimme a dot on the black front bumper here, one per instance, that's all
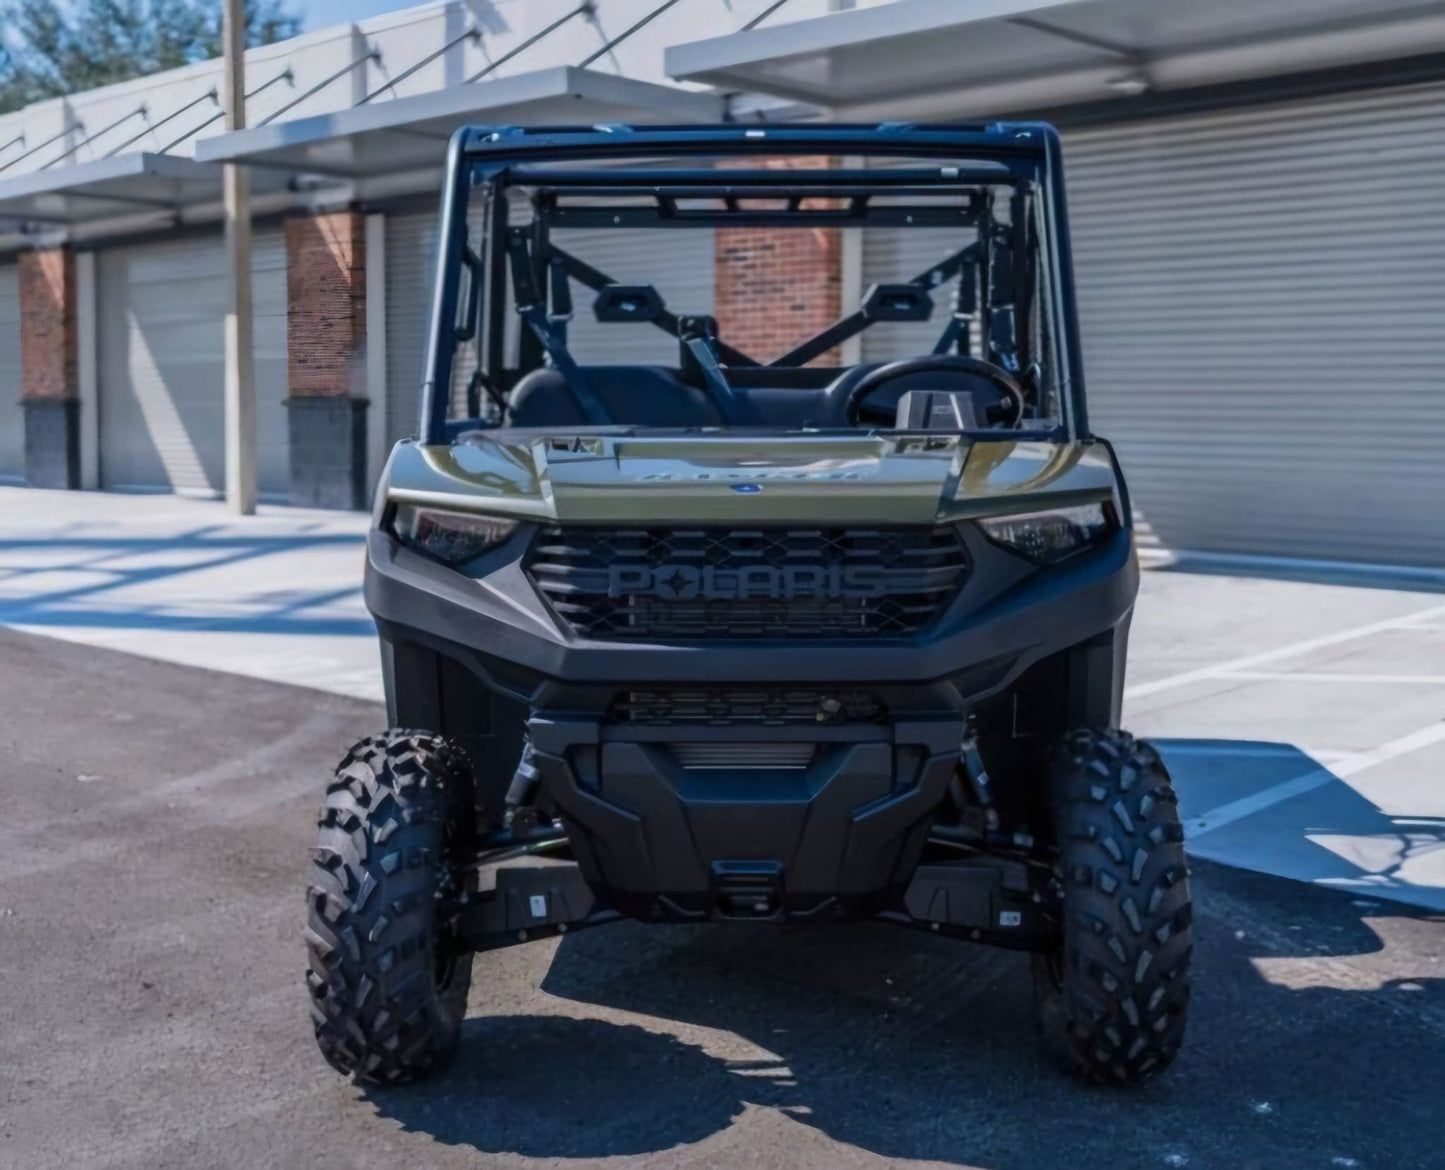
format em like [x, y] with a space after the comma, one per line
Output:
[838, 833]
[1005, 617]
[657, 839]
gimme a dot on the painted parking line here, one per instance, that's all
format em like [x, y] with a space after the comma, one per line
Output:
[1213, 748]
[1325, 677]
[1225, 814]
[1208, 673]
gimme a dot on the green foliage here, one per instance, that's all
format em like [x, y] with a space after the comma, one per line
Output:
[49, 48]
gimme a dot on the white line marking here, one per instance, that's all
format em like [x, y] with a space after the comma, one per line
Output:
[1239, 750]
[1205, 673]
[1287, 676]
[1217, 818]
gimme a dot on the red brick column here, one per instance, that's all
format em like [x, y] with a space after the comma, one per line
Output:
[326, 358]
[774, 287]
[49, 369]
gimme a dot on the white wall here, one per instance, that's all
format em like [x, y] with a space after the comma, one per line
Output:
[403, 38]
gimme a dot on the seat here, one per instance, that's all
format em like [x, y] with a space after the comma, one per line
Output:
[640, 396]
[654, 396]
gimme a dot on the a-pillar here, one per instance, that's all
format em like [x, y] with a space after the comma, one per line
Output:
[49, 377]
[326, 358]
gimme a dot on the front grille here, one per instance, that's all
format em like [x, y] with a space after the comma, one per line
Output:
[748, 707]
[706, 583]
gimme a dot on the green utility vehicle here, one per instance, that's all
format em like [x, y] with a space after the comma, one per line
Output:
[706, 634]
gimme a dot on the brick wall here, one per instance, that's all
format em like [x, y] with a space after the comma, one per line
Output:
[48, 366]
[775, 287]
[326, 304]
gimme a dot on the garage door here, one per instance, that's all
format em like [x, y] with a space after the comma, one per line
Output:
[895, 255]
[161, 310]
[1262, 293]
[411, 243]
[12, 421]
[679, 263]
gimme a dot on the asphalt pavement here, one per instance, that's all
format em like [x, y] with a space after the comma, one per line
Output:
[154, 822]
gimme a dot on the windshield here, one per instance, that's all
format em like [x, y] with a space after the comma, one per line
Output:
[778, 293]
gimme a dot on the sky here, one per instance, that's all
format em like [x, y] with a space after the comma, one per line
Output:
[325, 13]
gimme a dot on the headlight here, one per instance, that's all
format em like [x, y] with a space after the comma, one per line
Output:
[1047, 537]
[453, 537]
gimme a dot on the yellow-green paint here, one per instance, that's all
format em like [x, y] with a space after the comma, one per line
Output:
[790, 479]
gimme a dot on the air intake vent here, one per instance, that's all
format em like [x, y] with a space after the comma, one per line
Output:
[743, 756]
[757, 706]
[705, 583]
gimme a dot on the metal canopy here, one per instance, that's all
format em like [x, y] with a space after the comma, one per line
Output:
[410, 133]
[922, 58]
[108, 187]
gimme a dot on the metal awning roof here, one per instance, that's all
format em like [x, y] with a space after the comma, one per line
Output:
[922, 58]
[410, 133]
[107, 187]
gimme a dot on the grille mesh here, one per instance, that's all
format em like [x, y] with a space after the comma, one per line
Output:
[757, 707]
[708, 583]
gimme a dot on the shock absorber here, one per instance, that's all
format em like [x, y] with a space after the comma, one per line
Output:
[977, 774]
[521, 813]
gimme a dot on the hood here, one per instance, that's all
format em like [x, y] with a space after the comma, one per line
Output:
[720, 479]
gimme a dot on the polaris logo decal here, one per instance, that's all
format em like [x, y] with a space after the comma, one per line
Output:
[692, 582]
[747, 489]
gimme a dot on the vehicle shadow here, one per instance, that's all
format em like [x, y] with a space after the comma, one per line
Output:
[1317, 1038]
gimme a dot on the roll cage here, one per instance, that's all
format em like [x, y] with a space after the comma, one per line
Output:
[1025, 158]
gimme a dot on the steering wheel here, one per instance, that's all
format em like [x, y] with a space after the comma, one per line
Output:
[935, 363]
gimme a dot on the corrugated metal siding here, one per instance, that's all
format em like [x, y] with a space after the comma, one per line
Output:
[12, 418]
[678, 262]
[411, 243]
[162, 364]
[893, 255]
[1262, 294]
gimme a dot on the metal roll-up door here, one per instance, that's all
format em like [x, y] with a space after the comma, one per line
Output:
[12, 418]
[678, 262]
[411, 249]
[411, 244]
[1261, 293]
[896, 255]
[160, 309]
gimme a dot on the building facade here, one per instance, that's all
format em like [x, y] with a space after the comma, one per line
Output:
[1260, 266]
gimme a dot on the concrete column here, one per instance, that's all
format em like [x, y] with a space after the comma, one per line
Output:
[49, 380]
[774, 287]
[326, 358]
[88, 372]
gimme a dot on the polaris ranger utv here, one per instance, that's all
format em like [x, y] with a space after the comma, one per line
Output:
[715, 635]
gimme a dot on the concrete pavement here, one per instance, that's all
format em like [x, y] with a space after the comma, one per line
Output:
[274, 596]
[1304, 722]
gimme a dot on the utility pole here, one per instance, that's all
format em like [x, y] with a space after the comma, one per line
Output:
[240, 382]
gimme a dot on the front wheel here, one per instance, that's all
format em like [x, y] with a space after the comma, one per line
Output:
[388, 977]
[1114, 994]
